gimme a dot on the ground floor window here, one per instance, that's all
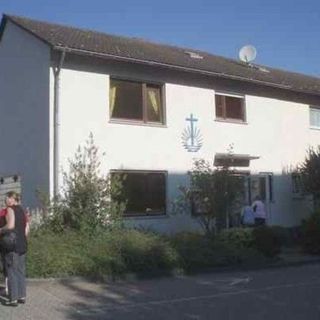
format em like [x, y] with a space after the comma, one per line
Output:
[297, 185]
[144, 192]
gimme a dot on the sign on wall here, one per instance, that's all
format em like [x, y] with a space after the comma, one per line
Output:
[9, 183]
[191, 136]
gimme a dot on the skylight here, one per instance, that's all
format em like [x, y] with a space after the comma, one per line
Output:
[194, 55]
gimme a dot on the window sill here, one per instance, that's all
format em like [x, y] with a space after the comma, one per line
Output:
[138, 123]
[234, 121]
[314, 128]
[146, 217]
[297, 197]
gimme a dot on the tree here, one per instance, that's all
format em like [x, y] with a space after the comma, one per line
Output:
[211, 195]
[310, 173]
[87, 199]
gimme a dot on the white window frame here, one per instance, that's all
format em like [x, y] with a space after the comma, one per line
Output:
[316, 109]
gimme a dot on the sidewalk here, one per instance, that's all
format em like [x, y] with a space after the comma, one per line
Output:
[77, 298]
[293, 257]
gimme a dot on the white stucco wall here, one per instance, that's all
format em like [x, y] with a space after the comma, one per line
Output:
[24, 110]
[277, 131]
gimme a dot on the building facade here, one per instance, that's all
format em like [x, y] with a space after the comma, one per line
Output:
[151, 121]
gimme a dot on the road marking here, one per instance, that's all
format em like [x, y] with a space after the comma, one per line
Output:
[239, 280]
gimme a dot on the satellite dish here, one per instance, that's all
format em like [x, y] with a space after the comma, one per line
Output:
[247, 53]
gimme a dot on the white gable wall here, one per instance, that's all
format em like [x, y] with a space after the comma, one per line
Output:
[24, 110]
[277, 131]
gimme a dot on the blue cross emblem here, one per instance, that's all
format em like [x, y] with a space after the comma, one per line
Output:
[191, 136]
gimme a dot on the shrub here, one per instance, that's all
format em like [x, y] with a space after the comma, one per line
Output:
[198, 252]
[266, 241]
[310, 173]
[310, 233]
[52, 255]
[146, 252]
[119, 251]
[111, 253]
[88, 198]
[286, 236]
[237, 237]
[211, 194]
[195, 250]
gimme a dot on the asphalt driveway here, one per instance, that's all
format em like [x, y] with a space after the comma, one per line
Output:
[284, 293]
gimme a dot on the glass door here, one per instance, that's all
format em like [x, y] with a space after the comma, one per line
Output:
[261, 185]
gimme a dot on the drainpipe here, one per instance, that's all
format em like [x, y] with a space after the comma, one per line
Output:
[56, 122]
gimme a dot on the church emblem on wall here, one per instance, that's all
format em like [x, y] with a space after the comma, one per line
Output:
[191, 136]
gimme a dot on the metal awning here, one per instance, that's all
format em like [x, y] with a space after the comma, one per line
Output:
[233, 160]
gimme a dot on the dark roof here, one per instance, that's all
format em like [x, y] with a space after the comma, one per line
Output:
[81, 41]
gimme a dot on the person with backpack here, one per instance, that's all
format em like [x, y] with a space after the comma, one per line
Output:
[15, 249]
[3, 213]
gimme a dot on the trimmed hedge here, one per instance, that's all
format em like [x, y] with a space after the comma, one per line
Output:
[266, 241]
[108, 253]
[116, 252]
[238, 237]
[198, 252]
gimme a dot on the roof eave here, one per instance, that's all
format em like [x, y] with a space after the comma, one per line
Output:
[181, 68]
[6, 18]
[3, 25]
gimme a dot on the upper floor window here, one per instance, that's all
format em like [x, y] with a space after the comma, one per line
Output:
[138, 101]
[314, 117]
[229, 107]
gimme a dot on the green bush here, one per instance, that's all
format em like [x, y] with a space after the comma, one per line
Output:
[146, 252]
[118, 251]
[237, 237]
[52, 255]
[195, 250]
[88, 200]
[112, 253]
[198, 252]
[310, 233]
[286, 236]
[266, 241]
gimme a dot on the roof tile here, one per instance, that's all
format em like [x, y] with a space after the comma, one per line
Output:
[147, 52]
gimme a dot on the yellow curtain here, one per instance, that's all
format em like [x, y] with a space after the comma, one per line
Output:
[155, 103]
[112, 95]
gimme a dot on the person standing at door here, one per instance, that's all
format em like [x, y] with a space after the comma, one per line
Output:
[247, 216]
[259, 210]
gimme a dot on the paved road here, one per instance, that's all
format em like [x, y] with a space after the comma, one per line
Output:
[285, 293]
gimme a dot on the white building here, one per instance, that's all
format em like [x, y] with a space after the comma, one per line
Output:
[58, 84]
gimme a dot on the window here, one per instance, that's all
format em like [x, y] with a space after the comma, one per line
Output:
[136, 101]
[230, 107]
[297, 184]
[261, 185]
[314, 113]
[145, 192]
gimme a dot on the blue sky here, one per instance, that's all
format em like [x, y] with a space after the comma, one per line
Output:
[286, 33]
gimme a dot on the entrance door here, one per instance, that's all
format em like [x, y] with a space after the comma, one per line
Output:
[261, 185]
